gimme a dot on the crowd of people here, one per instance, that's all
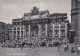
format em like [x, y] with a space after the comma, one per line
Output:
[71, 47]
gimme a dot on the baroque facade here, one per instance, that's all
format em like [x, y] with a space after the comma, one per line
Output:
[40, 25]
[75, 17]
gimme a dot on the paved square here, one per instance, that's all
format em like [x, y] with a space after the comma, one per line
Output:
[45, 51]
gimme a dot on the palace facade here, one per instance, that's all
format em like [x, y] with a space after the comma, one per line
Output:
[40, 26]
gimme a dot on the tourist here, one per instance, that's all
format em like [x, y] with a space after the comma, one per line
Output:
[72, 49]
[78, 50]
[65, 47]
[59, 47]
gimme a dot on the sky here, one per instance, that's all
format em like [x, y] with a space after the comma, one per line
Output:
[13, 9]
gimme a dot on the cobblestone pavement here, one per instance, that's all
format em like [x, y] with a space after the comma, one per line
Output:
[67, 53]
[29, 52]
[45, 51]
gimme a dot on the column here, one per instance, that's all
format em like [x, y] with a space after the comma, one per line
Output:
[29, 30]
[53, 30]
[20, 31]
[12, 32]
[16, 31]
[46, 29]
[65, 29]
[23, 31]
[40, 30]
[59, 30]
[78, 29]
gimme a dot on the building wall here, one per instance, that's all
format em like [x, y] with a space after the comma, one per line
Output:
[2, 32]
[9, 32]
[75, 17]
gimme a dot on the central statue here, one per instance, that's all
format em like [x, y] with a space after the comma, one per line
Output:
[35, 11]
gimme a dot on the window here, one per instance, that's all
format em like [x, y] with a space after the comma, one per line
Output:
[18, 32]
[62, 15]
[2, 32]
[21, 35]
[26, 31]
[21, 28]
[14, 23]
[10, 32]
[56, 31]
[18, 36]
[56, 23]
[26, 34]
[18, 23]
[18, 28]
[22, 32]
[14, 28]
[14, 36]
[36, 32]
[62, 26]
[43, 33]
[56, 26]
[63, 31]
[43, 26]
[26, 26]
[51, 26]
[14, 32]
[62, 22]
[50, 32]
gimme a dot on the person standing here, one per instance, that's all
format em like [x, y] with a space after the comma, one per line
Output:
[78, 50]
[65, 47]
[59, 47]
[72, 49]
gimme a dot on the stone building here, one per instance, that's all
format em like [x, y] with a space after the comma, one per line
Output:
[9, 32]
[17, 30]
[2, 32]
[40, 25]
[75, 17]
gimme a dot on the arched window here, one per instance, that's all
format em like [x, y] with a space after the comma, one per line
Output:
[18, 32]
[56, 31]
[63, 31]
[18, 28]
